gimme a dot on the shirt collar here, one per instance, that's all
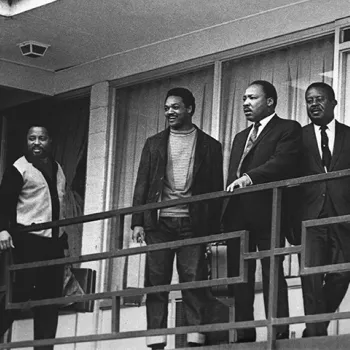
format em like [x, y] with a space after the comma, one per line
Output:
[330, 125]
[264, 121]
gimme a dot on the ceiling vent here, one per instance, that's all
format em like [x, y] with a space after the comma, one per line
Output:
[33, 49]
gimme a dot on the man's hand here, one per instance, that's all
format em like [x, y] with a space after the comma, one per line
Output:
[138, 234]
[241, 182]
[5, 240]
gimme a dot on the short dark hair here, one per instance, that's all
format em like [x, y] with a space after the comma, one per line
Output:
[186, 95]
[40, 125]
[321, 85]
[268, 88]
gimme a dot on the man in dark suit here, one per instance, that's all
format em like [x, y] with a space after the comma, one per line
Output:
[326, 147]
[266, 151]
[176, 163]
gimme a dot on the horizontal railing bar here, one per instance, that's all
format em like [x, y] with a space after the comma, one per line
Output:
[197, 198]
[160, 246]
[137, 334]
[266, 253]
[128, 292]
[325, 269]
[311, 318]
[131, 251]
[327, 221]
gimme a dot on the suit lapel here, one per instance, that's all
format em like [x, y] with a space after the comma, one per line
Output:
[163, 145]
[338, 144]
[201, 150]
[241, 142]
[268, 127]
[311, 145]
[236, 154]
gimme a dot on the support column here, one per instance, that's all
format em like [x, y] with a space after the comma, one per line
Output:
[94, 233]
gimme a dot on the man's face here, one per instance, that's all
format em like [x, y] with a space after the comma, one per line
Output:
[320, 108]
[178, 115]
[255, 104]
[38, 142]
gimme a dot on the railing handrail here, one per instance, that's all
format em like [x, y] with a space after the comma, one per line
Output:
[130, 251]
[201, 197]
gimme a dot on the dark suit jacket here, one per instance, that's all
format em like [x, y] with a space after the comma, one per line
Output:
[273, 157]
[313, 195]
[207, 177]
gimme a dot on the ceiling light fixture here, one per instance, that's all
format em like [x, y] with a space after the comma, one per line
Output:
[33, 49]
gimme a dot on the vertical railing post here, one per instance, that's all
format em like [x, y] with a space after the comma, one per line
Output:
[274, 266]
[8, 277]
[7, 261]
[116, 300]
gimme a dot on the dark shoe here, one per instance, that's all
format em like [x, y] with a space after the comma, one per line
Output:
[158, 346]
[282, 335]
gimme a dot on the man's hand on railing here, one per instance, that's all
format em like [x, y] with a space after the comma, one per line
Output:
[241, 182]
[138, 234]
[5, 240]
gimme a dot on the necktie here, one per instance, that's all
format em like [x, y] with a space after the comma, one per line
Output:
[326, 153]
[249, 145]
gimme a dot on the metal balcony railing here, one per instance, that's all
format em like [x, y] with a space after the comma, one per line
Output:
[115, 296]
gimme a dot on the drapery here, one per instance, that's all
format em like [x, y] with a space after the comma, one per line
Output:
[291, 70]
[140, 114]
[70, 122]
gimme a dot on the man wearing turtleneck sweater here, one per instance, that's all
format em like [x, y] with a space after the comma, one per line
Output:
[177, 163]
[32, 191]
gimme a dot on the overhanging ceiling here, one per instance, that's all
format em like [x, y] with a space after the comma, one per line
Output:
[81, 31]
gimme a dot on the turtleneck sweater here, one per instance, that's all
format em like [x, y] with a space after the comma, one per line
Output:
[179, 170]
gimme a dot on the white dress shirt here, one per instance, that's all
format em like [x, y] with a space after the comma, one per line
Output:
[330, 131]
[263, 123]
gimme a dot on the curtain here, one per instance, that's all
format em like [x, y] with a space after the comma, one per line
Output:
[70, 122]
[290, 70]
[140, 114]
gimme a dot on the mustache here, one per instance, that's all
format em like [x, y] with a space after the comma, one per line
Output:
[313, 109]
